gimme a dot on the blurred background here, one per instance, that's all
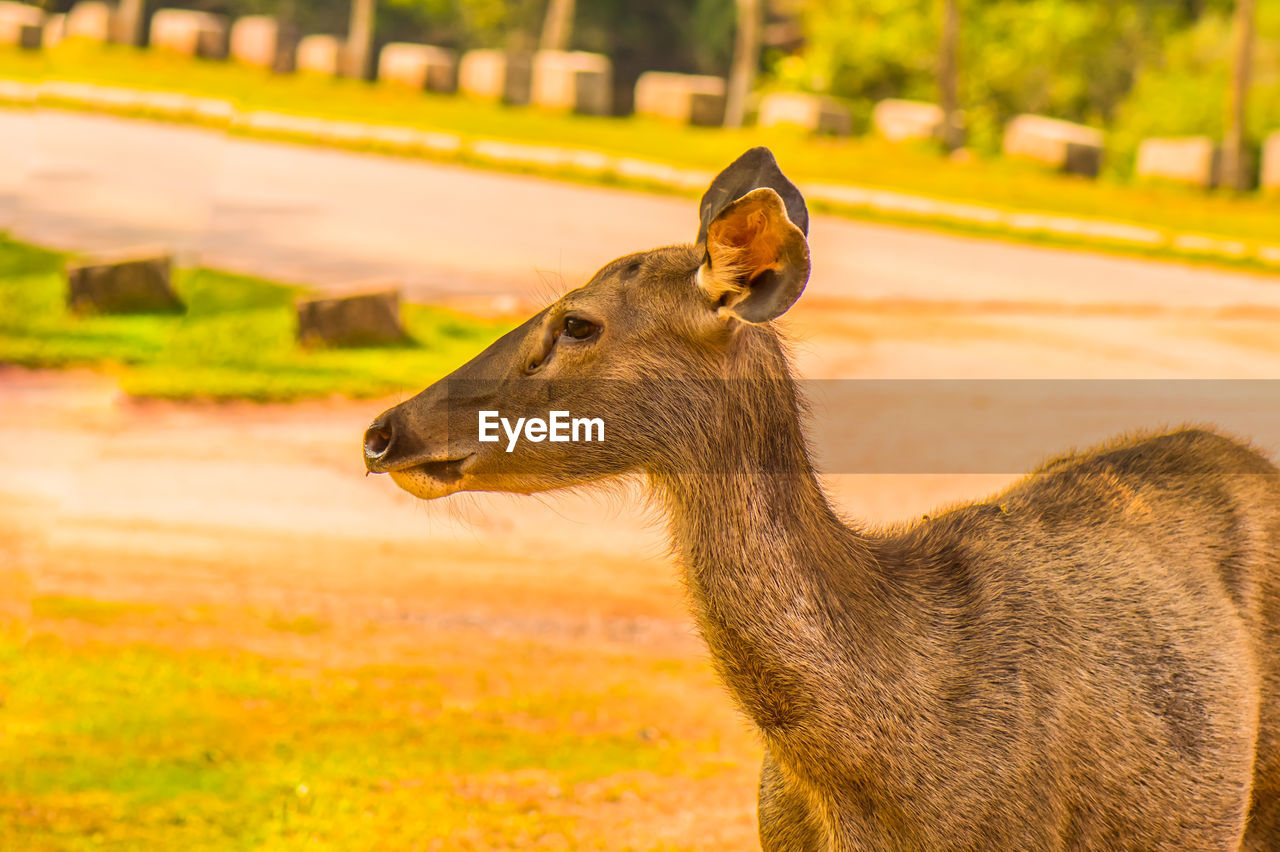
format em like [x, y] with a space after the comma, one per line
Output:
[233, 232]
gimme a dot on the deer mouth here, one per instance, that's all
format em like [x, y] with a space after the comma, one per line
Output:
[432, 479]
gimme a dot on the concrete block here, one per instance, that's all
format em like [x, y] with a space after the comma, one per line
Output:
[261, 41]
[418, 66]
[482, 74]
[189, 33]
[320, 54]
[447, 144]
[1189, 160]
[684, 98]
[1067, 147]
[356, 319]
[31, 37]
[61, 92]
[89, 20]
[1270, 180]
[280, 124]
[115, 99]
[213, 111]
[168, 104]
[122, 284]
[14, 93]
[572, 80]
[815, 113]
[645, 171]
[349, 133]
[398, 139]
[907, 121]
[15, 18]
[496, 75]
[1206, 245]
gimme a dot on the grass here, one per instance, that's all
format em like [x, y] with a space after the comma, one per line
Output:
[109, 742]
[85, 609]
[863, 161]
[237, 339]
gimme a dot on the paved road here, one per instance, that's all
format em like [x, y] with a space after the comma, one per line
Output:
[328, 217]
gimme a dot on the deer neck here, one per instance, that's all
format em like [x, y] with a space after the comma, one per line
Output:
[769, 566]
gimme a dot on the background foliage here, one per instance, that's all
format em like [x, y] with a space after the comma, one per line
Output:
[1150, 67]
[1136, 67]
[1182, 91]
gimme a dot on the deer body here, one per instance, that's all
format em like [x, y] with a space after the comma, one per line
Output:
[1088, 661]
[1044, 670]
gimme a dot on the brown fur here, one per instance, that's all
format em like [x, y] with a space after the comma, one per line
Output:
[1087, 661]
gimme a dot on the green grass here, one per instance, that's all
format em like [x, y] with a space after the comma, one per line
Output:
[237, 339]
[866, 162]
[118, 744]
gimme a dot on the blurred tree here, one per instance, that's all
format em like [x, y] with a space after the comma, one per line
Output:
[358, 49]
[1236, 165]
[1072, 59]
[948, 85]
[1181, 92]
[746, 58]
[462, 24]
[557, 27]
[688, 36]
[126, 24]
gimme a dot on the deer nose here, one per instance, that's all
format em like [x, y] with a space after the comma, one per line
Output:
[378, 439]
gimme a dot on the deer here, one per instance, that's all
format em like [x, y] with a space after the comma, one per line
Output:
[1089, 660]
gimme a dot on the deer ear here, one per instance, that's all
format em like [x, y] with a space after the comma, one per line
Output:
[753, 170]
[757, 259]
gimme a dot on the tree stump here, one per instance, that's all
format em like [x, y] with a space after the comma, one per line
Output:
[122, 285]
[357, 319]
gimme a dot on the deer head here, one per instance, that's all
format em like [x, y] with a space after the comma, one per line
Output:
[647, 349]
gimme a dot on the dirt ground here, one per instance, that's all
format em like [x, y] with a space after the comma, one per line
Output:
[248, 510]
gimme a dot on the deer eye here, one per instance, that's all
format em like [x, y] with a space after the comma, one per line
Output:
[579, 329]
